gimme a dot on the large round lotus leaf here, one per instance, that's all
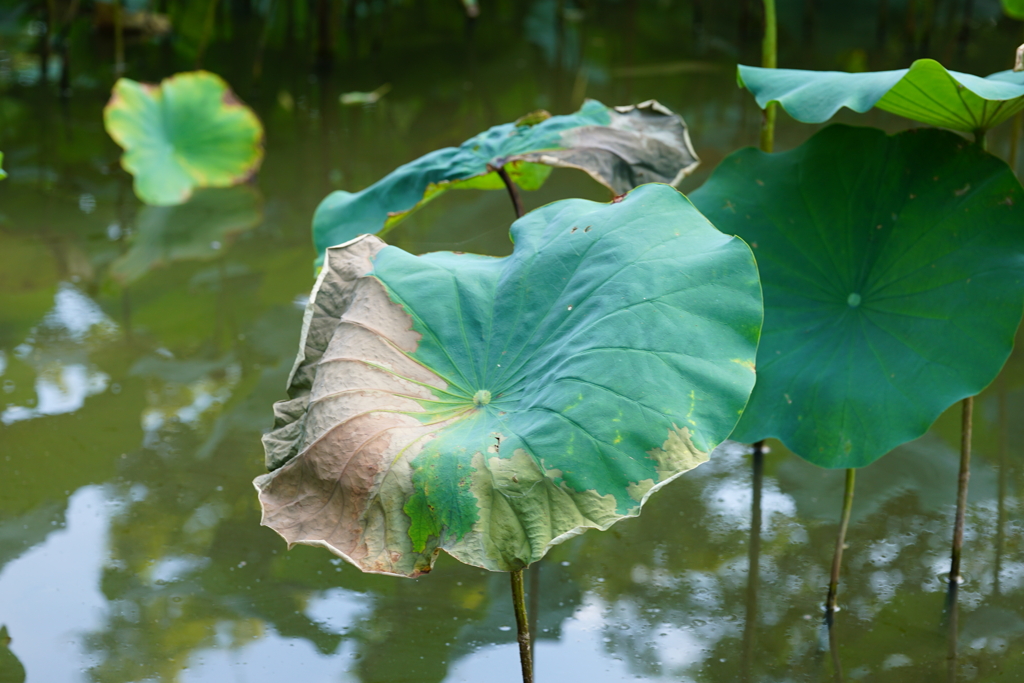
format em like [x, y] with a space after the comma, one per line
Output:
[925, 92]
[188, 132]
[620, 147]
[493, 407]
[893, 275]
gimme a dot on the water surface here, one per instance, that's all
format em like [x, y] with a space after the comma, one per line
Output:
[141, 350]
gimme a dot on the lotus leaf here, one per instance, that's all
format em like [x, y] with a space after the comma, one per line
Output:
[1014, 8]
[494, 407]
[3, 174]
[188, 132]
[925, 92]
[892, 270]
[620, 147]
[195, 230]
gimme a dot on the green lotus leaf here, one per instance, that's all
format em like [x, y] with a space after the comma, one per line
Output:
[1014, 8]
[893, 275]
[925, 92]
[619, 147]
[3, 174]
[195, 230]
[188, 132]
[494, 407]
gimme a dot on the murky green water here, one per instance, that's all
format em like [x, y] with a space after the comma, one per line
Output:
[141, 350]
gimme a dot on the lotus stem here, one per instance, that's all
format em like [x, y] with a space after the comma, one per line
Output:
[534, 609]
[964, 35]
[257, 65]
[1003, 423]
[837, 557]
[324, 36]
[961, 493]
[769, 60]
[46, 43]
[513, 191]
[204, 40]
[833, 650]
[953, 633]
[119, 38]
[1018, 120]
[883, 22]
[522, 626]
[753, 563]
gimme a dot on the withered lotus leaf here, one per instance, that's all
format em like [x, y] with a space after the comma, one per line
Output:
[620, 147]
[494, 407]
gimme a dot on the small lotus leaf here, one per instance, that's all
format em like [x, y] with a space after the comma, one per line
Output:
[1014, 8]
[188, 132]
[494, 407]
[3, 174]
[893, 275]
[619, 147]
[195, 230]
[925, 92]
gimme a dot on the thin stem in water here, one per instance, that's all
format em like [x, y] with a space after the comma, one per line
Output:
[1004, 463]
[753, 563]
[837, 557]
[833, 649]
[257, 65]
[961, 491]
[208, 24]
[119, 38]
[769, 60]
[952, 633]
[46, 42]
[522, 626]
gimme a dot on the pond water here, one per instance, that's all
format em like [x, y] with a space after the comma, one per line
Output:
[141, 350]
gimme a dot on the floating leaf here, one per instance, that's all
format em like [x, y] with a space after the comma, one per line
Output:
[188, 132]
[925, 92]
[195, 230]
[494, 407]
[619, 147]
[11, 670]
[372, 97]
[3, 173]
[893, 275]
[1014, 8]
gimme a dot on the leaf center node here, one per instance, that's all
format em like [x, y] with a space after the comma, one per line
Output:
[853, 300]
[481, 398]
